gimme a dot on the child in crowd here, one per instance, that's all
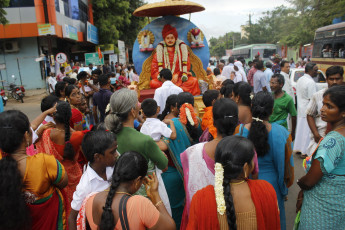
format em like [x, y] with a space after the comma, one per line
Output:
[85, 111]
[209, 97]
[99, 147]
[46, 104]
[152, 125]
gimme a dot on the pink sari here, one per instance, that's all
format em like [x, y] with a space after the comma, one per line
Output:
[198, 172]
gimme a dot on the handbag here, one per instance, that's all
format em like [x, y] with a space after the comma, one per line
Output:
[123, 212]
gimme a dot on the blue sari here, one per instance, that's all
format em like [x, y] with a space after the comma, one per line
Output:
[324, 205]
[272, 165]
[173, 177]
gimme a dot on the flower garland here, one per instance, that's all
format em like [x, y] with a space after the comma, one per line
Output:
[218, 188]
[187, 113]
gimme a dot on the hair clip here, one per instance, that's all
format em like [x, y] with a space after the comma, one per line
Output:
[6, 127]
[257, 119]
[228, 116]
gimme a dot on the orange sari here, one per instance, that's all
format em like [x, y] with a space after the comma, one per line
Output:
[73, 170]
[203, 210]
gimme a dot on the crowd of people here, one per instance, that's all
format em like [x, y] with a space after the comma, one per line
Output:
[97, 158]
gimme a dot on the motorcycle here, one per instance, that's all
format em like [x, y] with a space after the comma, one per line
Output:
[3, 96]
[17, 92]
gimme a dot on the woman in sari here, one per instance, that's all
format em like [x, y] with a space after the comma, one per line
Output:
[57, 142]
[124, 108]
[273, 146]
[170, 111]
[188, 131]
[73, 96]
[241, 95]
[29, 192]
[234, 202]
[323, 186]
[104, 210]
[198, 160]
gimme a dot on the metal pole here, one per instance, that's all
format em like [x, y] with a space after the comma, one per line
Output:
[20, 75]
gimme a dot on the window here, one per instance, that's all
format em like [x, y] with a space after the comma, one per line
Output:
[329, 34]
[21, 3]
[319, 78]
[327, 51]
[319, 35]
[66, 8]
[341, 32]
[298, 74]
[83, 12]
[57, 6]
[317, 49]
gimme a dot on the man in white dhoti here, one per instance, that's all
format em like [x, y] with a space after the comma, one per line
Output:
[334, 76]
[306, 87]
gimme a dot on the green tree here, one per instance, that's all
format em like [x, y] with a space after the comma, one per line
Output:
[3, 3]
[110, 16]
[129, 32]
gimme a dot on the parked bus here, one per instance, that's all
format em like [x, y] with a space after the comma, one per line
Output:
[266, 51]
[329, 46]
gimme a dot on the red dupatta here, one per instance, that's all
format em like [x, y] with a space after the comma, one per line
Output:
[204, 213]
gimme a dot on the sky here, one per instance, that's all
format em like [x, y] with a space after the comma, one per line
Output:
[221, 16]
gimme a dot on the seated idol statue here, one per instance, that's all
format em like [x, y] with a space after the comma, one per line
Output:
[172, 53]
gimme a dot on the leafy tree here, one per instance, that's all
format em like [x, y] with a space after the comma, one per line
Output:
[130, 31]
[3, 3]
[110, 16]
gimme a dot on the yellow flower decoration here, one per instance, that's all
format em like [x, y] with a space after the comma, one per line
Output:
[218, 188]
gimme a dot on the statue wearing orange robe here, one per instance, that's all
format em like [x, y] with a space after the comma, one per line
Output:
[190, 83]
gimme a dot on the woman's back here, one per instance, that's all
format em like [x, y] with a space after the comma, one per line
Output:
[41, 173]
[141, 213]
[255, 206]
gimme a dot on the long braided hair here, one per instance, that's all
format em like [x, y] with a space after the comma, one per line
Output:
[233, 152]
[262, 107]
[63, 115]
[128, 167]
[14, 212]
[171, 101]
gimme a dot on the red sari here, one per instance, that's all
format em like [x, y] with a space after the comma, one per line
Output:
[203, 210]
[73, 170]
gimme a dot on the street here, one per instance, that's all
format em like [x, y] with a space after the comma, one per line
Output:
[31, 107]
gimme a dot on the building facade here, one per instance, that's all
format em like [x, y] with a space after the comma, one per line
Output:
[37, 31]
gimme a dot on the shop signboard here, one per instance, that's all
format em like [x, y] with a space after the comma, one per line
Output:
[94, 59]
[45, 29]
[112, 58]
[92, 33]
[70, 32]
[106, 48]
[122, 51]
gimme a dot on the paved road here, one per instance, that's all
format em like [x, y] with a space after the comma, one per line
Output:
[31, 107]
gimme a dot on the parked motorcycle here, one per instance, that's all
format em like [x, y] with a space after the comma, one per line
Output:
[3, 96]
[17, 92]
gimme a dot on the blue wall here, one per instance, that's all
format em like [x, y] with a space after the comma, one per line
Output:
[29, 68]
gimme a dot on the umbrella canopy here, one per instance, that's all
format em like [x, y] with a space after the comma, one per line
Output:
[168, 7]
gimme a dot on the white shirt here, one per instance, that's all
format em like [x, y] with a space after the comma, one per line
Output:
[90, 182]
[162, 93]
[287, 85]
[306, 87]
[227, 70]
[155, 128]
[51, 81]
[314, 108]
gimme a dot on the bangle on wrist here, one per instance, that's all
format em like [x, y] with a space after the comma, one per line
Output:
[158, 203]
